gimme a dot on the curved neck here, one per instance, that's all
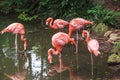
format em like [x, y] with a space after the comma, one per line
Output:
[87, 36]
[51, 22]
[52, 51]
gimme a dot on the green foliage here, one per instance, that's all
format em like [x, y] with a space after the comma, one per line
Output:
[101, 15]
[116, 48]
[23, 16]
[45, 8]
[114, 58]
[117, 45]
[5, 6]
[67, 9]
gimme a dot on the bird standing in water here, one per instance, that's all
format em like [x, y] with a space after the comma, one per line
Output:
[16, 28]
[75, 25]
[59, 40]
[57, 24]
[92, 45]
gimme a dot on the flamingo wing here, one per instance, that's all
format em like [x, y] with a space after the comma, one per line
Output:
[60, 23]
[60, 38]
[77, 23]
[93, 45]
[15, 28]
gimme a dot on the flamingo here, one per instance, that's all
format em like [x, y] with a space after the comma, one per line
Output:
[75, 25]
[59, 40]
[57, 24]
[16, 28]
[92, 45]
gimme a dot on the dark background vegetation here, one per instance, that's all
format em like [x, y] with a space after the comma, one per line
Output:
[105, 11]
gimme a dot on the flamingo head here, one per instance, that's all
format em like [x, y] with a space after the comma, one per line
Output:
[49, 20]
[1, 32]
[85, 33]
[50, 51]
[72, 41]
[50, 59]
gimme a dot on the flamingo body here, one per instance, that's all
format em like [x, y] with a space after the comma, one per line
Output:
[16, 28]
[77, 24]
[93, 47]
[92, 44]
[57, 24]
[59, 40]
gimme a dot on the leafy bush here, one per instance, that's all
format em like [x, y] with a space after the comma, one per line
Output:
[102, 15]
[23, 16]
[44, 8]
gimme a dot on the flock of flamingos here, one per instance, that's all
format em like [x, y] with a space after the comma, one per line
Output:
[59, 39]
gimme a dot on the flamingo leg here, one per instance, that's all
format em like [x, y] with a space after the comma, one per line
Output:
[77, 41]
[92, 65]
[16, 45]
[60, 60]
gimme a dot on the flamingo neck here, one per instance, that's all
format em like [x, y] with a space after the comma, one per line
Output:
[51, 50]
[88, 36]
[51, 23]
[87, 39]
[24, 41]
[70, 31]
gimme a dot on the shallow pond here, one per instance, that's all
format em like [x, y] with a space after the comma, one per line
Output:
[36, 66]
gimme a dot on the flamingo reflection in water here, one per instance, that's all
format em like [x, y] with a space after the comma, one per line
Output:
[20, 75]
[59, 40]
[73, 76]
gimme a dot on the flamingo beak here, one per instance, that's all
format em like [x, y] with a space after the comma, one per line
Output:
[50, 59]
[1, 32]
[46, 22]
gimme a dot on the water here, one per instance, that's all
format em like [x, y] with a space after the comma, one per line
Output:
[36, 66]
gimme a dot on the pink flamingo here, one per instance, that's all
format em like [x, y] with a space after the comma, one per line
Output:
[57, 24]
[16, 28]
[92, 45]
[75, 25]
[58, 41]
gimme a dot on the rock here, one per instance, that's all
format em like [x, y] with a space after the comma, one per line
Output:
[113, 36]
[100, 28]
